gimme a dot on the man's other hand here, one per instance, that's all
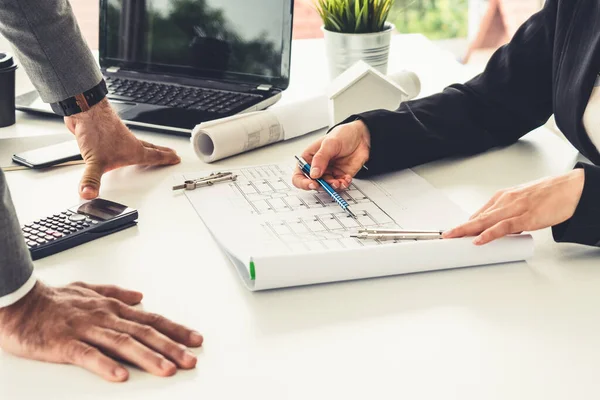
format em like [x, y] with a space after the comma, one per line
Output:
[106, 144]
[93, 326]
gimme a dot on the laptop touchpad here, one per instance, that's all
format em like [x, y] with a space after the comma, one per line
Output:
[120, 108]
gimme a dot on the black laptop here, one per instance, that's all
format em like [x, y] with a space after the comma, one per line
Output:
[172, 64]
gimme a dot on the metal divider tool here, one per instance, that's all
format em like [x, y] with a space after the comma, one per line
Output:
[209, 180]
[397, 234]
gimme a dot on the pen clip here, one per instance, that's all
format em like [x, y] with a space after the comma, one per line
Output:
[305, 174]
[304, 166]
[301, 161]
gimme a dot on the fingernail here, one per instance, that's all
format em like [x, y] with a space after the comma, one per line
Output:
[447, 234]
[335, 185]
[120, 373]
[312, 186]
[478, 240]
[166, 365]
[195, 337]
[189, 357]
[315, 172]
[88, 190]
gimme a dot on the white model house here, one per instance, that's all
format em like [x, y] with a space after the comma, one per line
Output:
[362, 88]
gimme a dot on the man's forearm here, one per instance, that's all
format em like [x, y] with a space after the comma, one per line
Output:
[49, 45]
[16, 268]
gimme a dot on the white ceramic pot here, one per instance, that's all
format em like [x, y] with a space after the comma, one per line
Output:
[344, 49]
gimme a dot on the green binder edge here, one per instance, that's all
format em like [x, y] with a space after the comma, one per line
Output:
[252, 270]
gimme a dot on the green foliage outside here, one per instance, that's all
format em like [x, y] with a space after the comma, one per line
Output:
[436, 19]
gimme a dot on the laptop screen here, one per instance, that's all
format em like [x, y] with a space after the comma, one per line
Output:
[239, 40]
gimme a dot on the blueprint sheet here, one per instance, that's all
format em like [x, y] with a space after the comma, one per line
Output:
[263, 208]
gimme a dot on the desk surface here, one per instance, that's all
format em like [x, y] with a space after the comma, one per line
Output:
[514, 331]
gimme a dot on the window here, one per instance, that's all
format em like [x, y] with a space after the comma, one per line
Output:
[436, 19]
[88, 15]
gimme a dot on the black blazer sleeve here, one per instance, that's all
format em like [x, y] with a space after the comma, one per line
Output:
[584, 226]
[510, 98]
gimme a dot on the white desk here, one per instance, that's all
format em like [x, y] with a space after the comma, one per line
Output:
[518, 331]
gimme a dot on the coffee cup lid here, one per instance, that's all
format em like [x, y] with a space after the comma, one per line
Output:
[6, 60]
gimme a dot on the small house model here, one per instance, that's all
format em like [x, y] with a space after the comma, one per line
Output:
[362, 88]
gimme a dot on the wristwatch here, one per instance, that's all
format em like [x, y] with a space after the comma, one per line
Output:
[81, 102]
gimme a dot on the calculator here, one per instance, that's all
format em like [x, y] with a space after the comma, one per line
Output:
[76, 225]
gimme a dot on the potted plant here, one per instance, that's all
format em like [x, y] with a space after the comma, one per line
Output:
[356, 30]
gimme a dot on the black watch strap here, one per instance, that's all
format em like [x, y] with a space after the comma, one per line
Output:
[81, 102]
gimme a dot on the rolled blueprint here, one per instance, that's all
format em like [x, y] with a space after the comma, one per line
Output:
[226, 137]
[409, 81]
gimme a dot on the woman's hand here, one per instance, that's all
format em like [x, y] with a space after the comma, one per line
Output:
[529, 207]
[336, 157]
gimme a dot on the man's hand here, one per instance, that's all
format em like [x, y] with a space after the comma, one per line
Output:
[106, 144]
[92, 326]
[529, 207]
[336, 157]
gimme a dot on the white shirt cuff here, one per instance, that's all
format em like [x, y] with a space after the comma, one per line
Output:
[18, 294]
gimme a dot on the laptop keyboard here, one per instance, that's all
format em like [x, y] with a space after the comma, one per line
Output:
[210, 100]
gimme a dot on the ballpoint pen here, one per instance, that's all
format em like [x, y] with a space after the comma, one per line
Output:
[305, 168]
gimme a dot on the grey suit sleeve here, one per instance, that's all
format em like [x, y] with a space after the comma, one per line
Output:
[48, 43]
[16, 267]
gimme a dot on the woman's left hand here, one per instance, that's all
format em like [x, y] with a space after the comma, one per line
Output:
[529, 207]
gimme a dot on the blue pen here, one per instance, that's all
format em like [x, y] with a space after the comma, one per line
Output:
[305, 167]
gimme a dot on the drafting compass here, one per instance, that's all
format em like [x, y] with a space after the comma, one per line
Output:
[216, 177]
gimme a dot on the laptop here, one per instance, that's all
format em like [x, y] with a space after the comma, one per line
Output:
[172, 64]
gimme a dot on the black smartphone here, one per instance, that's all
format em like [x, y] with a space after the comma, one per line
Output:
[50, 155]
